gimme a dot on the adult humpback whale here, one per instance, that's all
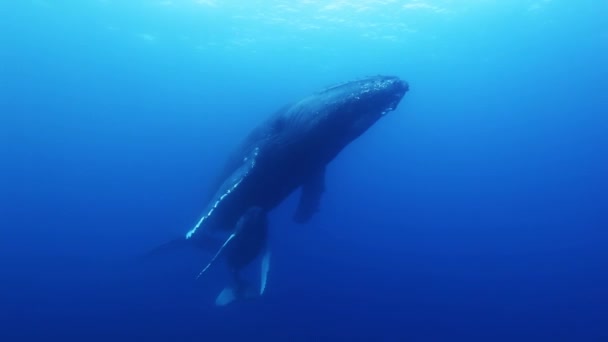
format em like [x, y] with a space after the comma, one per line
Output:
[289, 150]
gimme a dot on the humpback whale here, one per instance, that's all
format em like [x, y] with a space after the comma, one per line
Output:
[287, 151]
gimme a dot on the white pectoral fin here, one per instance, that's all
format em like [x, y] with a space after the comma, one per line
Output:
[216, 255]
[226, 190]
[265, 267]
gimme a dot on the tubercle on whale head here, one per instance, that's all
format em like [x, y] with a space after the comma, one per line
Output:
[382, 93]
[373, 96]
[357, 105]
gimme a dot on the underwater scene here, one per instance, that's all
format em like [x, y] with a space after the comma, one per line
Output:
[304, 170]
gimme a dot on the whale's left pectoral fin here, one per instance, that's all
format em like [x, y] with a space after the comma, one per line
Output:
[264, 271]
[310, 197]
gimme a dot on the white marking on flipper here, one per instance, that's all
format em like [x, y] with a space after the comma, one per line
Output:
[251, 160]
[215, 204]
[265, 269]
[216, 255]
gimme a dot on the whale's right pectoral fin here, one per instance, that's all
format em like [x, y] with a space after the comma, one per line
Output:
[219, 252]
[310, 197]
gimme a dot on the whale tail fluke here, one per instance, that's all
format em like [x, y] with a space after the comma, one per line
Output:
[227, 296]
[242, 290]
[231, 294]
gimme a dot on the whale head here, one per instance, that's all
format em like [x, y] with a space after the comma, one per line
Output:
[372, 96]
[349, 109]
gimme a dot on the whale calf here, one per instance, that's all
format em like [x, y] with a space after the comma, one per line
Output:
[249, 241]
[287, 151]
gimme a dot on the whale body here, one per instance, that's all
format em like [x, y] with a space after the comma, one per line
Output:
[287, 151]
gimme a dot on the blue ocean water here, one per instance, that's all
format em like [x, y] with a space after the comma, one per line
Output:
[477, 211]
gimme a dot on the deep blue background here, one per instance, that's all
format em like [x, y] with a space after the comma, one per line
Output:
[477, 211]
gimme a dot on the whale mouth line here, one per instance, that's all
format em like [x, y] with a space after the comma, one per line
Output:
[386, 111]
[391, 107]
[393, 104]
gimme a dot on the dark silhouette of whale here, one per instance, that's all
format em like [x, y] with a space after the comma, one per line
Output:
[289, 150]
